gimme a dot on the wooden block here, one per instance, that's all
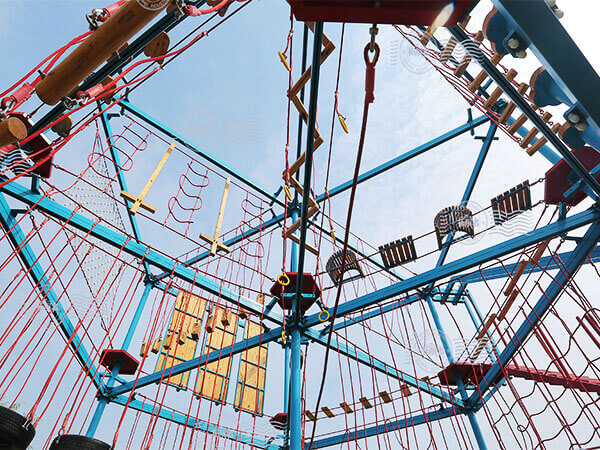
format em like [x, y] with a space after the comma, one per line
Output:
[479, 79]
[157, 345]
[327, 411]
[366, 403]
[448, 50]
[209, 324]
[480, 346]
[510, 108]
[533, 132]
[310, 416]
[63, 128]
[144, 350]
[12, 130]
[464, 64]
[517, 124]
[195, 331]
[168, 339]
[487, 325]
[515, 278]
[405, 388]
[346, 407]
[127, 196]
[158, 47]
[385, 397]
[225, 318]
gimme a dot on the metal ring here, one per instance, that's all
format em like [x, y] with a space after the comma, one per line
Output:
[321, 319]
[283, 279]
[375, 57]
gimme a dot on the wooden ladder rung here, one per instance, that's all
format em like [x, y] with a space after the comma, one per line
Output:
[497, 93]
[314, 250]
[517, 124]
[486, 327]
[293, 227]
[366, 403]
[462, 66]
[508, 304]
[515, 278]
[510, 108]
[479, 79]
[533, 132]
[541, 141]
[327, 411]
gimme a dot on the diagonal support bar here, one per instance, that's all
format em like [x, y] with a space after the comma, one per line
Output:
[562, 279]
[37, 274]
[135, 249]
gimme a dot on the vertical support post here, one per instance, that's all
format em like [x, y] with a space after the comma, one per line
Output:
[102, 402]
[487, 142]
[295, 401]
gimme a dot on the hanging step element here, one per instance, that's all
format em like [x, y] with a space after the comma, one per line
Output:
[334, 267]
[398, 252]
[512, 203]
[452, 220]
[310, 291]
[110, 357]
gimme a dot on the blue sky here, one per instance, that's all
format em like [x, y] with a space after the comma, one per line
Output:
[234, 77]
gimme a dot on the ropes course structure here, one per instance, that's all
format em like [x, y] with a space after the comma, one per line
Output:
[294, 316]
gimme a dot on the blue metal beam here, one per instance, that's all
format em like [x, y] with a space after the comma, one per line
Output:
[407, 156]
[547, 263]
[135, 249]
[390, 307]
[198, 151]
[556, 287]
[30, 261]
[192, 364]
[198, 424]
[462, 264]
[358, 355]
[121, 178]
[387, 427]
[526, 108]
[537, 24]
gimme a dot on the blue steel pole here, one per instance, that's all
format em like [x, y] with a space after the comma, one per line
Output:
[103, 401]
[436, 318]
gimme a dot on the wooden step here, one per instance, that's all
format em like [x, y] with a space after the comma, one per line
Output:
[314, 250]
[462, 66]
[495, 96]
[533, 132]
[517, 124]
[479, 79]
[541, 141]
[510, 108]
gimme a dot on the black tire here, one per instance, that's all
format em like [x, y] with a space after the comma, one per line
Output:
[15, 430]
[76, 442]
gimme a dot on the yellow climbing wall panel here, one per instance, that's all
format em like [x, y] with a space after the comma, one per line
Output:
[177, 345]
[214, 380]
[250, 392]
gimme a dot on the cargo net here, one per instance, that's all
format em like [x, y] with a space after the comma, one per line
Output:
[95, 190]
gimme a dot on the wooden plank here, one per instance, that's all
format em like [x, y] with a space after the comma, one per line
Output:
[347, 408]
[132, 198]
[385, 397]
[213, 379]
[136, 205]
[178, 346]
[486, 327]
[311, 248]
[252, 373]
[515, 277]
[310, 416]
[366, 403]
[327, 411]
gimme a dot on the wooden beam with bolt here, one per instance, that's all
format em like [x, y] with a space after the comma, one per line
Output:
[138, 202]
[214, 241]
